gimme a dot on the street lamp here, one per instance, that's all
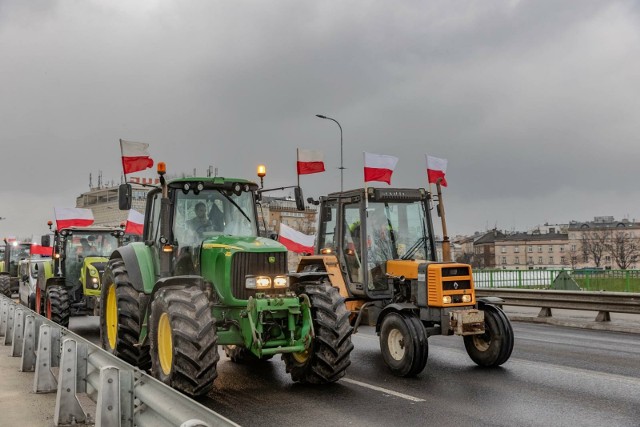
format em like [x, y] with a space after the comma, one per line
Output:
[341, 157]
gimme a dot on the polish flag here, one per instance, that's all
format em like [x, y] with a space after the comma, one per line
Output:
[72, 217]
[296, 241]
[379, 167]
[436, 168]
[135, 156]
[37, 249]
[135, 223]
[310, 161]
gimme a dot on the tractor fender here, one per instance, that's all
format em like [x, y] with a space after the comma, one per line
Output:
[56, 280]
[138, 261]
[4, 273]
[488, 300]
[395, 308]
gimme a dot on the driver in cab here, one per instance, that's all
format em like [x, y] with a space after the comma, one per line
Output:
[200, 222]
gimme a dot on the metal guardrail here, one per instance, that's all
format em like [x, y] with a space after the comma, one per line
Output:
[77, 369]
[602, 302]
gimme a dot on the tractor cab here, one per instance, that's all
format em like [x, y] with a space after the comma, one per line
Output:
[209, 211]
[392, 227]
[14, 252]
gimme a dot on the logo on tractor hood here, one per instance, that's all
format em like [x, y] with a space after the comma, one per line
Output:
[455, 285]
[272, 260]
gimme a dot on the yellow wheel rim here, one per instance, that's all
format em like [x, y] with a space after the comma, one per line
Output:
[112, 316]
[302, 356]
[165, 344]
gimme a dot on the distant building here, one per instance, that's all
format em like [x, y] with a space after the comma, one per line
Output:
[103, 202]
[272, 211]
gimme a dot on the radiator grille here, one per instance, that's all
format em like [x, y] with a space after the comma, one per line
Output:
[255, 263]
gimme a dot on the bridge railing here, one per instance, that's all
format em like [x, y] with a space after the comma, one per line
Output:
[586, 279]
[77, 370]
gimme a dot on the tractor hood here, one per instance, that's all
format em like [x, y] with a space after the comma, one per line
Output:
[244, 244]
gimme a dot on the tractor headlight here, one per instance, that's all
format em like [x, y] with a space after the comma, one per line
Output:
[94, 282]
[257, 282]
[281, 282]
[466, 298]
[446, 299]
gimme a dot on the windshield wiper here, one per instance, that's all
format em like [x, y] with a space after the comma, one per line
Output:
[234, 204]
[414, 248]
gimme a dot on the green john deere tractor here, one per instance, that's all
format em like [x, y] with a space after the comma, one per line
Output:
[69, 284]
[202, 277]
[13, 252]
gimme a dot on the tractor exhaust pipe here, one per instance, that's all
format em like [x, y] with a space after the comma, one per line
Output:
[446, 245]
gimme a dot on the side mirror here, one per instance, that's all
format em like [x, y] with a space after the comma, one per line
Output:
[297, 191]
[45, 241]
[124, 197]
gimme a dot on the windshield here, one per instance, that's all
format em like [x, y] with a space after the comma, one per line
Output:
[397, 230]
[20, 252]
[212, 212]
[88, 244]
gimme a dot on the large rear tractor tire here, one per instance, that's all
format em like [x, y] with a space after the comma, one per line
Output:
[184, 342]
[494, 347]
[122, 314]
[328, 356]
[57, 308]
[5, 285]
[404, 344]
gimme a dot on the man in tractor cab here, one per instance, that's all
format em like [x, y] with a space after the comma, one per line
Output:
[199, 222]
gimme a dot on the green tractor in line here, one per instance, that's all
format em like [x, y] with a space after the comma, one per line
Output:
[196, 283]
[69, 284]
[13, 252]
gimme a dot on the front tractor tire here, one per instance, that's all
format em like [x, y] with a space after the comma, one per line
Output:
[5, 285]
[57, 308]
[184, 341]
[494, 347]
[122, 316]
[404, 344]
[328, 356]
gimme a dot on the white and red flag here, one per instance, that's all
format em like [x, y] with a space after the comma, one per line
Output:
[135, 223]
[72, 217]
[379, 167]
[37, 249]
[296, 241]
[436, 168]
[310, 161]
[135, 156]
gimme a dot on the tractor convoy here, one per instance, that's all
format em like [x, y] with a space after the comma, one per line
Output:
[202, 277]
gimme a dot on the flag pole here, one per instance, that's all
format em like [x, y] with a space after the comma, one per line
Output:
[124, 172]
[297, 160]
[366, 192]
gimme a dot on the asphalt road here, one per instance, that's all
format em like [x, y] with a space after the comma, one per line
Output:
[556, 377]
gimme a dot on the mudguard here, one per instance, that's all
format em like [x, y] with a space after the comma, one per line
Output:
[138, 260]
[481, 301]
[395, 307]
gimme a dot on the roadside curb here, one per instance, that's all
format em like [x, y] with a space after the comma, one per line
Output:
[572, 323]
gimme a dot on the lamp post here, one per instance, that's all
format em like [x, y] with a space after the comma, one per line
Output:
[341, 157]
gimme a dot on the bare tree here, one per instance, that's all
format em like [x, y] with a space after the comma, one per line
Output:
[594, 245]
[624, 248]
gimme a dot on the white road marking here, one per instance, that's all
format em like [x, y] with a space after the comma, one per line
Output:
[383, 390]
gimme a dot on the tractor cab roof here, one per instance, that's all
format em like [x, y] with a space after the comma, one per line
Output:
[384, 194]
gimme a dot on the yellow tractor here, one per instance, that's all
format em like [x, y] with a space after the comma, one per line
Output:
[378, 246]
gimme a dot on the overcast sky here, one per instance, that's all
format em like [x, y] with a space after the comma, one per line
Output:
[535, 104]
